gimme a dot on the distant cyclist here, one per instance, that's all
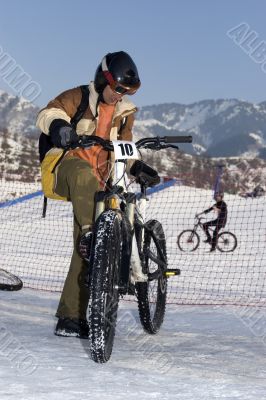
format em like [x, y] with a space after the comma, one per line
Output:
[221, 208]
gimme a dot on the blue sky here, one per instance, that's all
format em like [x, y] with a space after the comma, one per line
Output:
[180, 47]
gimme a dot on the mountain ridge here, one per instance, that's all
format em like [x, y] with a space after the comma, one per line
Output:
[220, 127]
[210, 122]
[228, 131]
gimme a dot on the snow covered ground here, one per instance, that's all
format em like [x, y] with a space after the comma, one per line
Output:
[201, 353]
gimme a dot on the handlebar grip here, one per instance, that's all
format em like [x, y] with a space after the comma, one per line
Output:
[178, 139]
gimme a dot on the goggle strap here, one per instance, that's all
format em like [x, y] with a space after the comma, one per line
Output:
[109, 77]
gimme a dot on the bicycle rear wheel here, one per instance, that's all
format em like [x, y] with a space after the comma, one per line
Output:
[152, 294]
[9, 282]
[104, 285]
[188, 240]
[226, 242]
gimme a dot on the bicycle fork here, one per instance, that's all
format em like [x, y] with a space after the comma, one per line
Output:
[137, 274]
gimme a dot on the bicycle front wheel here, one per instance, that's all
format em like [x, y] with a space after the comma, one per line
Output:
[188, 240]
[104, 285]
[226, 242]
[152, 294]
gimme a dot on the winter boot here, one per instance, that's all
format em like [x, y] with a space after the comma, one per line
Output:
[72, 328]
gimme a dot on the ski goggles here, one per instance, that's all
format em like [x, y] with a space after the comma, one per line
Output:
[117, 87]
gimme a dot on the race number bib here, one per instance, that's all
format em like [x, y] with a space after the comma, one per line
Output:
[124, 150]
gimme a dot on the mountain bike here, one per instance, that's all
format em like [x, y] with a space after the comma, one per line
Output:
[9, 281]
[189, 240]
[128, 254]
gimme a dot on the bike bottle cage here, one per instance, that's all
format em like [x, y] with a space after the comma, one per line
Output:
[144, 174]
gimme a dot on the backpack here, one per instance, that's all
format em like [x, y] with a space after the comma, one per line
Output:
[50, 161]
[45, 143]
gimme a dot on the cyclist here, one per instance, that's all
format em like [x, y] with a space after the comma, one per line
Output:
[221, 208]
[110, 114]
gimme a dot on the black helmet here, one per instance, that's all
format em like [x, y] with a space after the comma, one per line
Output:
[119, 71]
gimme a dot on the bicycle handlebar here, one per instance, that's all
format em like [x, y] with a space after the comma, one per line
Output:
[199, 216]
[153, 143]
[89, 141]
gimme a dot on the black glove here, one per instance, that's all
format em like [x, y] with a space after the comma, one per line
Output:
[67, 136]
[62, 134]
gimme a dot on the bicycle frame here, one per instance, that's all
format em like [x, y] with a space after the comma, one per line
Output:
[197, 224]
[200, 224]
[114, 200]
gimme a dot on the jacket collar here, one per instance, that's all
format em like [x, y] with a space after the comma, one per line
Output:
[122, 108]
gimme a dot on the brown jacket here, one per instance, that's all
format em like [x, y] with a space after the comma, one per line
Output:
[65, 106]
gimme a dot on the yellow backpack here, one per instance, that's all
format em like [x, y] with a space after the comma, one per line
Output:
[50, 159]
[48, 167]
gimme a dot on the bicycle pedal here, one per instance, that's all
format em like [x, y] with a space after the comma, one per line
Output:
[172, 272]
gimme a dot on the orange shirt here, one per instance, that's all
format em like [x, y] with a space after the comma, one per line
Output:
[96, 156]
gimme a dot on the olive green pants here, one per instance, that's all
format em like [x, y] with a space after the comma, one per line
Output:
[76, 181]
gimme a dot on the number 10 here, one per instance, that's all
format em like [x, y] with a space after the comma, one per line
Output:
[126, 149]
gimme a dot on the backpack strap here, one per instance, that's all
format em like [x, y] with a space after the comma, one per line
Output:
[77, 117]
[82, 107]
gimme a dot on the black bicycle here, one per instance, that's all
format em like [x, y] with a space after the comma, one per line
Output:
[128, 254]
[189, 239]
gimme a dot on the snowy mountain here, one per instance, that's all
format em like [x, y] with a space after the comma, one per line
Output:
[17, 115]
[18, 157]
[220, 128]
[231, 132]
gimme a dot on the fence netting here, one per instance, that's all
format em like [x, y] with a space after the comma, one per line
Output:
[39, 249]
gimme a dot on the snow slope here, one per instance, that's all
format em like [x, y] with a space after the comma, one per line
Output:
[201, 353]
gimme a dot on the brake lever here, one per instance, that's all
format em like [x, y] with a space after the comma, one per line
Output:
[159, 146]
[152, 146]
[155, 146]
[172, 146]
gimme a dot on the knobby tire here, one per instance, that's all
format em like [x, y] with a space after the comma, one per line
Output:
[111, 252]
[151, 295]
